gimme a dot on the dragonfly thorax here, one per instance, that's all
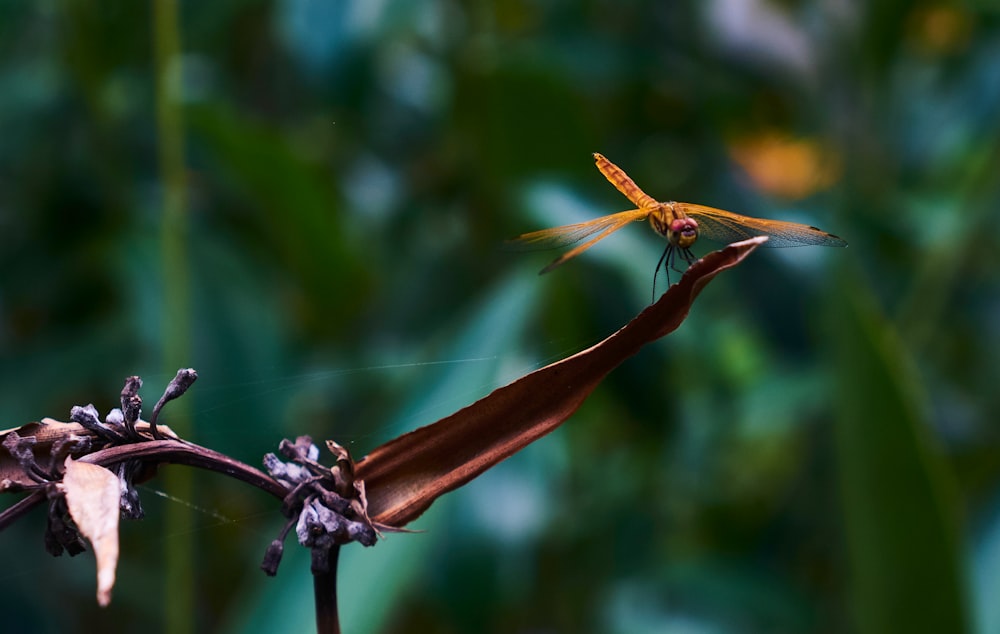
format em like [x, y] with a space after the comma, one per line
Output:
[671, 223]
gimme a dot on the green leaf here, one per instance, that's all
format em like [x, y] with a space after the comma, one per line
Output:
[899, 498]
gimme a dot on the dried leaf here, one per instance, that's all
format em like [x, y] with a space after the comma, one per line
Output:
[92, 495]
[32, 429]
[46, 433]
[405, 475]
[53, 440]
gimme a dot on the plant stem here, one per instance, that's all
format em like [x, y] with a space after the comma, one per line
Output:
[179, 591]
[325, 595]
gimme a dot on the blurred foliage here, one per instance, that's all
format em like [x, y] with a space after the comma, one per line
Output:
[815, 441]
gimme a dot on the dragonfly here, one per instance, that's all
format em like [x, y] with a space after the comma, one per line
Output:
[680, 223]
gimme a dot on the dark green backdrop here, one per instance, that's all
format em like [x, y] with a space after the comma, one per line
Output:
[816, 449]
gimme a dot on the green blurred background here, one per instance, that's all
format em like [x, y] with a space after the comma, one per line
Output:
[815, 450]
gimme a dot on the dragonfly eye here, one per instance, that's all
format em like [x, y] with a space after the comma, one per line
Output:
[683, 232]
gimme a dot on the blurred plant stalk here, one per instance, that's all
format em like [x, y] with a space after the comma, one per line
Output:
[179, 592]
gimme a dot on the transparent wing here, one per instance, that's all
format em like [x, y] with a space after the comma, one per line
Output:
[571, 234]
[723, 226]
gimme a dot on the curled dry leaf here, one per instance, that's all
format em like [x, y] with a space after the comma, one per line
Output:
[53, 441]
[46, 433]
[92, 494]
[405, 475]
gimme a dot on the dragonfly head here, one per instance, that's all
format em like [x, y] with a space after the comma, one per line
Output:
[682, 232]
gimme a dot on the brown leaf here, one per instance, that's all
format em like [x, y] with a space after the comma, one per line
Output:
[92, 495]
[46, 432]
[51, 435]
[405, 475]
[36, 429]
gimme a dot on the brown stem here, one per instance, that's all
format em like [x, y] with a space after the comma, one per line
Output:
[325, 594]
[160, 451]
[178, 452]
[12, 513]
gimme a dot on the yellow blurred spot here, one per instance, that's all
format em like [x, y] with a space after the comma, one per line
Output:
[940, 30]
[517, 17]
[786, 167]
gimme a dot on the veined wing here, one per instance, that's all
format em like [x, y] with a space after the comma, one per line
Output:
[723, 226]
[570, 234]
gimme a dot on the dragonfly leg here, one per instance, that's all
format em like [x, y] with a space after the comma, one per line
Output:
[669, 261]
[664, 259]
[686, 255]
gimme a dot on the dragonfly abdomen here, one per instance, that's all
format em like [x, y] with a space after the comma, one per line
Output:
[625, 185]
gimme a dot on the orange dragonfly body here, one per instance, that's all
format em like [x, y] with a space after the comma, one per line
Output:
[680, 223]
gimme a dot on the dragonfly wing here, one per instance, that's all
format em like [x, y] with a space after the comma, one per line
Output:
[719, 225]
[570, 234]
